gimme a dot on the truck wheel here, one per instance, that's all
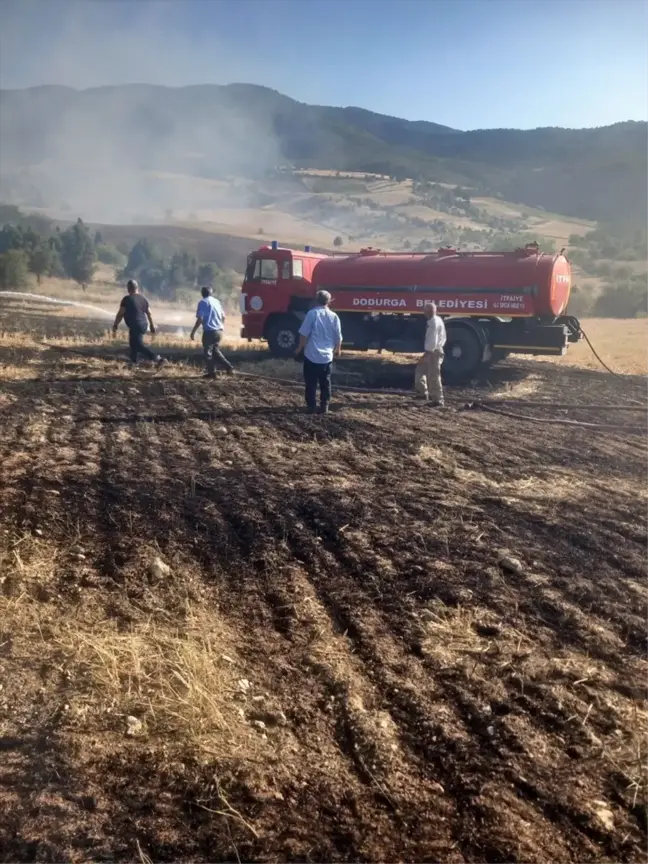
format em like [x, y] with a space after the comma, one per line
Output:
[463, 353]
[283, 336]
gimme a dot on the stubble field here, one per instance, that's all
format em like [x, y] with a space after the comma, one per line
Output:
[229, 631]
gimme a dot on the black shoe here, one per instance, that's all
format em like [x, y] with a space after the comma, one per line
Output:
[209, 376]
[310, 410]
[436, 404]
[230, 371]
[324, 408]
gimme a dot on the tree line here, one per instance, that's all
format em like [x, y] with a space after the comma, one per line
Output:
[70, 254]
[615, 254]
[31, 244]
[35, 245]
[166, 277]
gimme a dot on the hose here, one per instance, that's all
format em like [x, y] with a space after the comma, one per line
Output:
[562, 405]
[559, 422]
[605, 366]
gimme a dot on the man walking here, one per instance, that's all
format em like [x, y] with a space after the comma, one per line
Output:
[427, 378]
[135, 311]
[320, 339]
[210, 315]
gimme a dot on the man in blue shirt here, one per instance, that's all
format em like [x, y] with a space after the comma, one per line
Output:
[211, 316]
[321, 341]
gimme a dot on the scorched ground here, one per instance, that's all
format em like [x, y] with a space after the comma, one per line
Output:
[233, 631]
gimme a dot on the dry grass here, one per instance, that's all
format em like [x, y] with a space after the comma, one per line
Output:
[170, 676]
[178, 676]
[622, 344]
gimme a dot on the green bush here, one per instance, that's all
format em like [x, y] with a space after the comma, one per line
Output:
[14, 266]
[623, 301]
[580, 301]
[110, 255]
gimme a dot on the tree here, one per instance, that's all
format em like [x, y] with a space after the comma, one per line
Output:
[142, 255]
[13, 268]
[56, 265]
[78, 253]
[338, 241]
[98, 238]
[18, 237]
[207, 274]
[154, 279]
[41, 260]
[183, 269]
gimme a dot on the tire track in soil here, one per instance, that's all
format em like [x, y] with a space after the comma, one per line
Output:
[453, 694]
[245, 525]
[405, 704]
[280, 600]
[334, 610]
[268, 591]
[380, 648]
[463, 770]
[537, 794]
[556, 548]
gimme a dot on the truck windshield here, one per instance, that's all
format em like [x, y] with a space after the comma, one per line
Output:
[261, 268]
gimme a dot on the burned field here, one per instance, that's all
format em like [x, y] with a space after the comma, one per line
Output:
[232, 631]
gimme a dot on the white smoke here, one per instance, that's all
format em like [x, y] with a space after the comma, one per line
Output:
[120, 155]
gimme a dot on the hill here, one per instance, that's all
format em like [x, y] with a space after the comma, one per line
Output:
[107, 152]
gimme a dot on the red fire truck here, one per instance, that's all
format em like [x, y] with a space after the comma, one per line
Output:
[493, 303]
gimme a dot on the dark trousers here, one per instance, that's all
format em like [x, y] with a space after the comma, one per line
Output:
[317, 374]
[137, 346]
[211, 340]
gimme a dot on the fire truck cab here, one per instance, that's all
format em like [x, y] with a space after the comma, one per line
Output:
[277, 293]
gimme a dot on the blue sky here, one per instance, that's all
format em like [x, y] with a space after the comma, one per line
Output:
[463, 63]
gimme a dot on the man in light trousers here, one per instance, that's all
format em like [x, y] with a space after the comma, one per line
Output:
[427, 378]
[320, 339]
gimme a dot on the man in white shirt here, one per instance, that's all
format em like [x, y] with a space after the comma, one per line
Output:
[427, 378]
[320, 339]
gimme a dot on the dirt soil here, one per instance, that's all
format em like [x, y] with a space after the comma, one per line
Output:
[364, 678]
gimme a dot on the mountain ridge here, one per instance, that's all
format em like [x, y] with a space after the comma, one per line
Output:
[54, 139]
[271, 90]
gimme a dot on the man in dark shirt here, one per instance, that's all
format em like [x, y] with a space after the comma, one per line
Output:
[135, 311]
